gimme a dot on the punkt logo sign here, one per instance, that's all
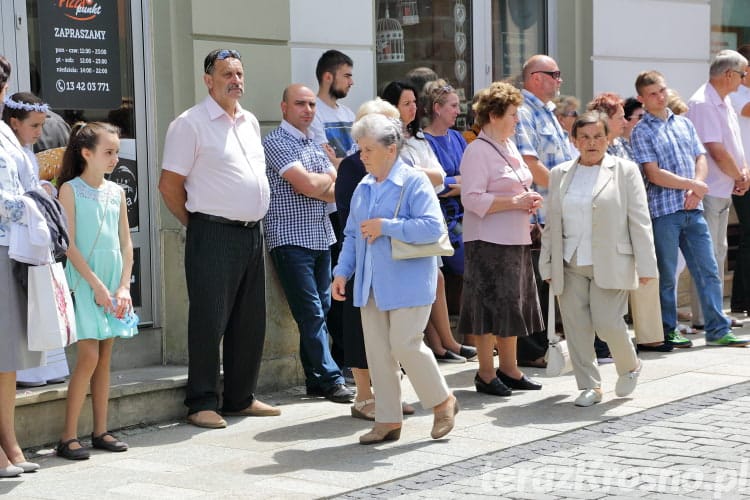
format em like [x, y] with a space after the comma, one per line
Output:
[80, 10]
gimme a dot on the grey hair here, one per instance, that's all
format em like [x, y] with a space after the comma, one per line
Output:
[726, 60]
[589, 118]
[380, 106]
[385, 130]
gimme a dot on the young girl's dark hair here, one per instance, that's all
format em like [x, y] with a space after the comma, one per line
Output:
[83, 135]
[392, 93]
[26, 103]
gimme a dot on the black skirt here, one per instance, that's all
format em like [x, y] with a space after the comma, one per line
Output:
[499, 293]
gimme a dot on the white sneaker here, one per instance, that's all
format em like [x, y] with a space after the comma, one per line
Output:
[626, 383]
[589, 397]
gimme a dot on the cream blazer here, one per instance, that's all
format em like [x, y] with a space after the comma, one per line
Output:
[622, 238]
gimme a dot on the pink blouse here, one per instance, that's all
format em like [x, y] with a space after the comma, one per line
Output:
[486, 174]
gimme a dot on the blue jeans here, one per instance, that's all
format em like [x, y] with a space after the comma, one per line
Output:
[687, 229]
[305, 276]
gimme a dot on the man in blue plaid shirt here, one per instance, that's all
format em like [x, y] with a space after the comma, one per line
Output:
[299, 235]
[674, 162]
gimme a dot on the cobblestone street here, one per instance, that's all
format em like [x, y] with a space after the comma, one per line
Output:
[697, 447]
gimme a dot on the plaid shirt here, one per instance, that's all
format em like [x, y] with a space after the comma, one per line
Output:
[674, 145]
[293, 218]
[539, 134]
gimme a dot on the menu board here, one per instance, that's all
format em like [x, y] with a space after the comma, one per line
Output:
[80, 54]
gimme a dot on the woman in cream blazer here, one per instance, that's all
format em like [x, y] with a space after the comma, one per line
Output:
[596, 244]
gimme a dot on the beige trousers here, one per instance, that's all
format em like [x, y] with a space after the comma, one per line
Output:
[585, 308]
[645, 305]
[393, 337]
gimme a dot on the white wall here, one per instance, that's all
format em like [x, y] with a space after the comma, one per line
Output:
[670, 36]
[345, 25]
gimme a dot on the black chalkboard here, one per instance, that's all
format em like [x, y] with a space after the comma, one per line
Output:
[80, 54]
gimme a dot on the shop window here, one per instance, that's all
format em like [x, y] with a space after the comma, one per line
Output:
[422, 33]
[518, 32]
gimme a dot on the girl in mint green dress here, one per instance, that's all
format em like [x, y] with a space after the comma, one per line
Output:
[100, 260]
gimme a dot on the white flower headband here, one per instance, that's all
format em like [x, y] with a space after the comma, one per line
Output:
[25, 106]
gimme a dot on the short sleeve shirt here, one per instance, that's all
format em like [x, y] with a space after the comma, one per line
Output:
[715, 121]
[333, 126]
[674, 145]
[293, 218]
[222, 159]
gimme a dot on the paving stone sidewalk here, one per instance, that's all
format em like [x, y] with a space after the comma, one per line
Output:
[698, 447]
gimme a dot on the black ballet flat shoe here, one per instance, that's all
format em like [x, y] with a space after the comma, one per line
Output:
[522, 384]
[494, 387]
[65, 451]
[102, 444]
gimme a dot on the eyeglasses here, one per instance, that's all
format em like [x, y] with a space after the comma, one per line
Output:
[218, 55]
[554, 74]
[571, 114]
[742, 74]
[636, 117]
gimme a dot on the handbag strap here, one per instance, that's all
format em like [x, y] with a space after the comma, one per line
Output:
[96, 240]
[398, 205]
[506, 160]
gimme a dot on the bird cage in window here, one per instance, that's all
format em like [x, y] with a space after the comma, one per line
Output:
[389, 40]
[408, 11]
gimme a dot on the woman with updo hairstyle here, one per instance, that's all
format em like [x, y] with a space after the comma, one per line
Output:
[441, 111]
[418, 153]
[499, 300]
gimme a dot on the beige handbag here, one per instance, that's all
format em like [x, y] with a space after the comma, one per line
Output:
[400, 250]
[558, 357]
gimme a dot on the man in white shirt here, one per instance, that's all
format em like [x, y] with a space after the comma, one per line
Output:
[331, 128]
[214, 182]
[715, 120]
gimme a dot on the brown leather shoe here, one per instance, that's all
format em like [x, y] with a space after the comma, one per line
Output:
[445, 420]
[256, 409]
[208, 419]
[379, 433]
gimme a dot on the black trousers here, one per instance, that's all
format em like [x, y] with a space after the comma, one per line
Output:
[226, 287]
[741, 281]
[335, 317]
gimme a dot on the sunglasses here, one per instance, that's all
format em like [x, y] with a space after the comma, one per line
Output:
[447, 89]
[554, 74]
[220, 55]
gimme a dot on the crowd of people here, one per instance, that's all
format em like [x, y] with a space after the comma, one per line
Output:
[334, 191]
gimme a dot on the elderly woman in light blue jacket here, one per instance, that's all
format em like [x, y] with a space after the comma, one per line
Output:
[395, 296]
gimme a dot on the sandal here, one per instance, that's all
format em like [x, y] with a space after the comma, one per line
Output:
[65, 451]
[357, 409]
[102, 444]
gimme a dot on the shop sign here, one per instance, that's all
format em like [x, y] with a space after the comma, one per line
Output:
[80, 54]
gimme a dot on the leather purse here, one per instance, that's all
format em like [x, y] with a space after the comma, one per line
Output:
[401, 250]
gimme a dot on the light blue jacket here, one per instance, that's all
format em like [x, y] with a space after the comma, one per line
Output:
[394, 283]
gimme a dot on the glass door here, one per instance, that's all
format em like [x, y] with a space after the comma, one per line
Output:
[86, 60]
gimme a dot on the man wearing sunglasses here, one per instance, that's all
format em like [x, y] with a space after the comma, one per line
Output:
[214, 182]
[710, 109]
[542, 141]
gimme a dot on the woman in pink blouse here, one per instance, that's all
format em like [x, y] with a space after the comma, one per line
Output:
[499, 298]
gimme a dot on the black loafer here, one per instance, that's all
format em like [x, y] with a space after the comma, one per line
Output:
[665, 347]
[339, 393]
[468, 352]
[494, 387]
[102, 444]
[65, 451]
[522, 384]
